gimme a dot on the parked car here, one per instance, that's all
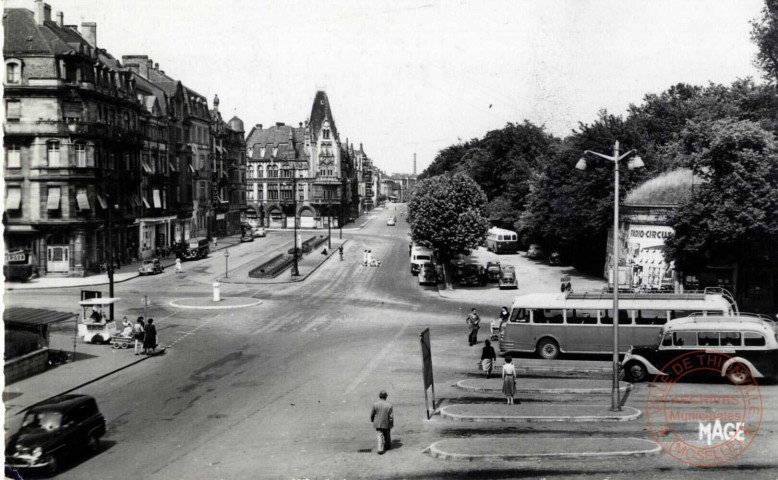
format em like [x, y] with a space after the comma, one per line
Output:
[535, 251]
[247, 237]
[151, 266]
[555, 258]
[392, 221]
[472, 275]
[493, 271]
[53, 431]
[258, 232]
[507, 278]
[428, 274]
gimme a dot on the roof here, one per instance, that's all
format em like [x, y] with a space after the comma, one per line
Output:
[61, 402]
[288, 139]
[34, 316]
[321, 111]
[24, 35]
[669, 188]
[721, 323]
[98, 301]
[627, 301]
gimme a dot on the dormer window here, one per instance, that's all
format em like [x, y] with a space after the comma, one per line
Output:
[275, 151]
[13, 73]
[261, 152]
[326, 133]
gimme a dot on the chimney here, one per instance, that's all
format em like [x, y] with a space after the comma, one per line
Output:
[279, 124]
[156, 66]
[39, 12]
[89, 32]
[150, 64]
[301, 124]
[47, 12]
[259, 126]
[216, 102]
[137, 63]
[60, 19]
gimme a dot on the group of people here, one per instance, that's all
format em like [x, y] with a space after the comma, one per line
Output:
[144, 333]
[489, 356]
[368, 260]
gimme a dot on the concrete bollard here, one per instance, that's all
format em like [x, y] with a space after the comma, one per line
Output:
[216, 295]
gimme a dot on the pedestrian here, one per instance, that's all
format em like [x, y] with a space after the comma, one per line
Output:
[488, 357]
[410, 249]
[139, 332]
[150, 338]
[370, 257]
[340, 250]
[473, 324]
[509, 379]
[178, 266]
[382, 416]
[505, 314]
[126, 327]
[364, 259]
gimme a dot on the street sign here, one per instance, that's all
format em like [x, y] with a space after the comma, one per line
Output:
[145, 302]
[426, 358]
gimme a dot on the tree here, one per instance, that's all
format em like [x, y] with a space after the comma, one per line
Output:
[447, 214]
[764, 33]
[732, 216]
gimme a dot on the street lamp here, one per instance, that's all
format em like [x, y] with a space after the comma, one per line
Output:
[329, 221]
[633, 163]
[226, 263]
[295, 270]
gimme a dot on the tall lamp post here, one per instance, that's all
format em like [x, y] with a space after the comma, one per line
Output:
[633, 163]
[329, 221]
[226, 263]
[295, 270]
[110, 263]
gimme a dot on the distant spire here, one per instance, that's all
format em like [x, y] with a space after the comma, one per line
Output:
[216, 102]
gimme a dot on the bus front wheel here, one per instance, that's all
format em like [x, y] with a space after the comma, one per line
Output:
[548, 349]
[635, 372]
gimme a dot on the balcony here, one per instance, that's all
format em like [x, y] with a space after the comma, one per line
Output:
[65, 128]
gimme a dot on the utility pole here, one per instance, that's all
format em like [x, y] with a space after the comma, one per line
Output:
[110, 251]
[329, 221]
[295, 271]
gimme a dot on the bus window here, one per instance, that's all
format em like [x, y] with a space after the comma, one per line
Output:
[730, 339]
[554, 316]
[588, 317]
[519, 315]
[753, 339]
[624, 318]
[668, 340]
[708, 339]
[546, 316]
[685, 339]
[651, 317]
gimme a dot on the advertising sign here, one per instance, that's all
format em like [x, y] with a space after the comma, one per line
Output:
[641, 257]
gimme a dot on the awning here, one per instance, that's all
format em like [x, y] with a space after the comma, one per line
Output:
[83, 201]
[34, 316]
[224, 174]
[146, 202]
[172, 167]
[146, 167]
[135, 200]
[219, 149]
[102, 202]
[191, 168]
[53, 201]
[14, 199]
[157, 200]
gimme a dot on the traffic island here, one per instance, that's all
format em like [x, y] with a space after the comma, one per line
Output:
[538, 386]
[536, 413]
[207, 303]
[522, 448]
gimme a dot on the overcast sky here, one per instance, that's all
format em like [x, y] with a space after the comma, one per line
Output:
[417, 76]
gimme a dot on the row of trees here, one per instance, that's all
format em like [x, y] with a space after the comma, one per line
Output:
[524, 178]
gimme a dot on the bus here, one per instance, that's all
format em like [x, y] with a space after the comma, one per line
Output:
[499, 240]
[582, 323]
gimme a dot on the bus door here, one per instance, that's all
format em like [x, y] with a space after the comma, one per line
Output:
[626, 331]
[582, 331]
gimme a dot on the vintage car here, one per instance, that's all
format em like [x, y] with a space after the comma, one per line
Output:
[246, 237]
[493, 271]
[428, 274]
[151, 266]
[555, 259]
[535, 251]
[746, 344]
[472, 274]
[53, 431]
[258, 232]
[392, 221]
[507, 278]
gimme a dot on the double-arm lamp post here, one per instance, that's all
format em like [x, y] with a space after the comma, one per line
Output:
[633, 163]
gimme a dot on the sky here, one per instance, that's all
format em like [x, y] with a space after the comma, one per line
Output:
[413, 77]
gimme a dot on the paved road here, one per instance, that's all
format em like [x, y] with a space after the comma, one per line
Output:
[283, 390]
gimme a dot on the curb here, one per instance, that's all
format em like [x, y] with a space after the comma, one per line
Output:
[161, 351]
[636, 414]
[173, 303]
[435, 451]
[548, 391]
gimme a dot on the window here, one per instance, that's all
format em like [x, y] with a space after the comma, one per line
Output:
[651, 317]
[80, 155]
[286, 194]
[261, 152]
[13, 73]
[71, 73]
[275, 151]
[326, 133]
[82, 200]
[260, 171]
[685, 339]
[624, 318]
[272, 171]
[13, 110]
[540, 315]
[13, 156]
[581, 316]
[52, 154]
[13, 199]
[519, 315]
[52, 201]
[708, 339]
[753, 339]
[667, 341]
[730, 339]
[272, 194]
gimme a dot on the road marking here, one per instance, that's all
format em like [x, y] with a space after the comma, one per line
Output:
[373, 364]
[186, 334]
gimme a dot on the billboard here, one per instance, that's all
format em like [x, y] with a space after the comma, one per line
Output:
[641, 257]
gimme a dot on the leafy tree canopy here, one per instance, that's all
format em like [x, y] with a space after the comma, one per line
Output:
[764, 33]
[447, 213]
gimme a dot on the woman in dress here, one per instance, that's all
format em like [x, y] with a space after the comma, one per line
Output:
[138, 331]
[150, 339]
[488, 357]
[509, 379]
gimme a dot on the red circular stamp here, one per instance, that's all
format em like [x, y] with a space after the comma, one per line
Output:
[704, 429]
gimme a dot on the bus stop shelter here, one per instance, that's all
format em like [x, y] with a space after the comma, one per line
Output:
[28, 329]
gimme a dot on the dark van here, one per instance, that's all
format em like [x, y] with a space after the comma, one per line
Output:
[53, 431]
[197, 248]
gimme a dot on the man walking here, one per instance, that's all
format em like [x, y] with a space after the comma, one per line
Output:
[473, 324]
[382, 417]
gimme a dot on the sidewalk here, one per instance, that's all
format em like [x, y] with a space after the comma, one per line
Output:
[125, 272]
[535, 448]
[536, 413]
[543, 386]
